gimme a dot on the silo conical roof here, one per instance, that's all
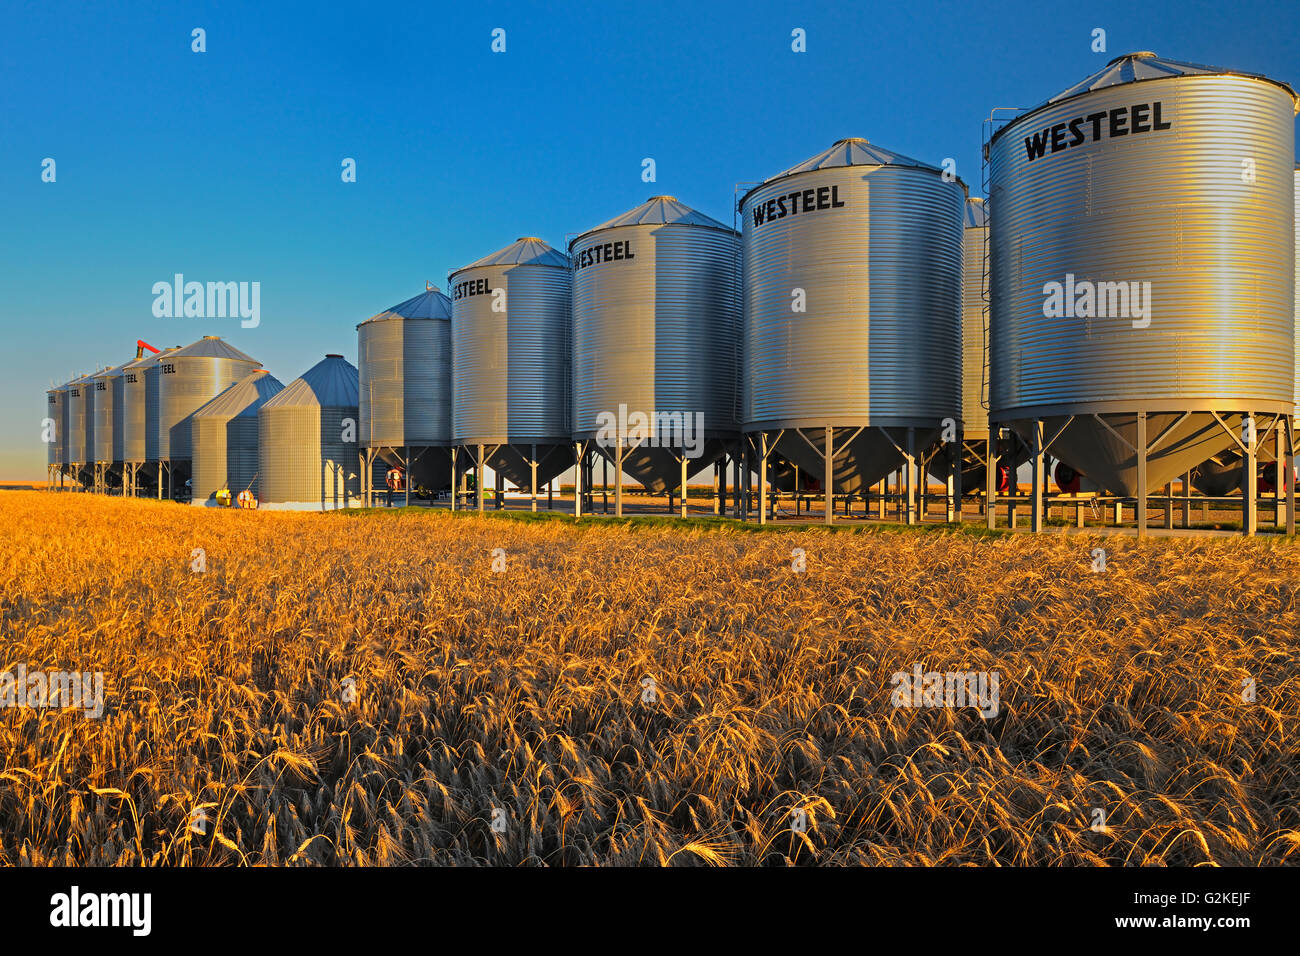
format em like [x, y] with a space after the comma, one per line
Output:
[430, 304]
[855, 151]
[659, 210]
[1136, 68]
[243, 398]
[151, 357]
[211, 346]
[852, 151]
[1145, 65]
[977, 214]
[110, 372]
[330, 383]
[525, 251]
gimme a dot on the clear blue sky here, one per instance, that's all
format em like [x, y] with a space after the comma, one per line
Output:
[225, 165]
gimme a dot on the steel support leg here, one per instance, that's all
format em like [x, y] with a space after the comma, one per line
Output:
[991, 481]
[577, 479]
[1279, 472]
[684, 481]
[618, 480]
[954, 489]
[911, 476]
[1249, 510]
[478, 479]
[1036, 488]
[828, 485]
[1142, 489]
[1290, 476]
[455, 487]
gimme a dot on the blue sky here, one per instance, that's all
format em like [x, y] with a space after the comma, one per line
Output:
[225, 165]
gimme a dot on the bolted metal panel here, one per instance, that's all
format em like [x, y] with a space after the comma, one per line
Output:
[656, 316]
[225, 438]
[105, 433]
[81, 420]
[404, 358]
[510, 372]
[187, 379]
[1145, 197]
[304, 459]
[56, 452]
[974, 331]
[877, 261]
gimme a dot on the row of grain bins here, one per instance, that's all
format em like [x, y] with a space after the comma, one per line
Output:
[209, 418]
[1124, 302]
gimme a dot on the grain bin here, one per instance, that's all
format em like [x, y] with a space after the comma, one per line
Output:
[106, 444]
[656, 317]
[81, 429]
[404, 372]
[974, 329]
[307, 440]
[510, 318]
[853, 311]
[1142, 243]
[135, 416]
[56, 451]
[188, 378]
[224, 433]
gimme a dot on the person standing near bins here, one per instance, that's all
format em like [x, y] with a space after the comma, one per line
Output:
[394, 483]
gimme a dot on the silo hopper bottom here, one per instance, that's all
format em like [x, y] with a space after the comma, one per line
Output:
[660, 469]
[1103, 446]
[860, 457]
[1012, 453]
[1221, 475]
[514, 462]
[429, 467]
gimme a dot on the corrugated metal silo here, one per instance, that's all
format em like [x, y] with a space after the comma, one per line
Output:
[1142, 243]
[225, 438]
[853, 277]
[404, 371]
[510, 319]
[107, 466]
[81, 428]
[56, 451]
[974, 434]
[656, 320]
[187, 379]
[974, 331]
[135, 416]
[307, 440]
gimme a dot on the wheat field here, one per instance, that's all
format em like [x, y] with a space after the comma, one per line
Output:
[366, 690]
